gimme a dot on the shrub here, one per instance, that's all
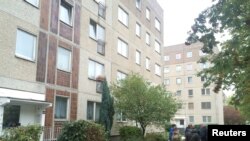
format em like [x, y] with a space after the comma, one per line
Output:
[82, 131]
[130, 132]
[155, 137]
[22, 133]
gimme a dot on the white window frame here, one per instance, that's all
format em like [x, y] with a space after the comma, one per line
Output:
[178, 68]
[166, 58]
[33, 2]
[157, 47]
[121, 75]
[190, 105]
[178, 93]
[67, 108]
[148, 13]
[138, 4]
[137, 57]
[123, 16]
[94, 110]
[178, 81]
[166, 70]
[147, 39]
[189, 67]
[100, 1]
[69, 61]
[66, 6]
[19, 40]
[190, 92]
[97, 30]
[190, 79]
[166, 81]
[122, 48]
[205, 91]
[157, 24]
[189, 54]
[191, 119]
[147, 63]
[138, 29]
[120, 119]
[157, 69]
[206, 105]
[201, 53]
[94, 70]
[178, 56]
[207, 119]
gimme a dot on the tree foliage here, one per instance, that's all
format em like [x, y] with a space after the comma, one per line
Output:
[143, 102]
[232, 116]
[231, 65]
[107, 108]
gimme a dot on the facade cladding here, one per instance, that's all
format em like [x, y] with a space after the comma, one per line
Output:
[54, 51]
[199, 105]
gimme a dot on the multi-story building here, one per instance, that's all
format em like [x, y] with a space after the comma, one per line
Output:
[199, 105]
[53, 53]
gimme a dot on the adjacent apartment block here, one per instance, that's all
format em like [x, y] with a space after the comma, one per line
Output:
[53, 53]
[199, 104]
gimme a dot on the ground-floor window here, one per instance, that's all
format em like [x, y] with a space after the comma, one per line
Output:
[11, 116]
[93, 110]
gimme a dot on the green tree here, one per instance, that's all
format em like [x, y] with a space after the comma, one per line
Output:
[231, 65]
[142, 102]
[107, 108]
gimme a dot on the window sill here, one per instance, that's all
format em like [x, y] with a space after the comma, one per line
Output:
[63, 70]
[123, 23]
[25, 58]
[122, 56]
[121, 121]
[69, 25]
[56, 119]
[36, 6]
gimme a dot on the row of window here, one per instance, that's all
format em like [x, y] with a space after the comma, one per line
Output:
[204, 91]
[178, 56]
[189, 67]
[205, 119]
[179, 80]
[204, 105]
[123, 16]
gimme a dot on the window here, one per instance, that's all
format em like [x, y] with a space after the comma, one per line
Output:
[157, 47]
[147, 63]
[203, 79]
[138, 30]
[95, 69]
[123, 16]
[189, 54]
[178, 93]
[157, 24]
[148, 14]
[138, 57]
[205, 91]
[205, 105]
[157, 70]
[190, 79]
[178, 68]
[201, 53]
[61, 109]
[178, 80]
[120, 117]
[206, 119]
[181, 121]
[166, 70]
[96, 31]
[66, 12]
[138, 4]
[93, 110]
[147, 38]
[102, 10]
[178, 56]
[33, 2]
[11, 116]
[122, 48]
[63, 59]
[166, 58]
[190, 93]
[166, 82]
[189, 67]
[121, 76]
[191, 119]
[204, 65]
[25, 45]
[100, 1]
[190, 106]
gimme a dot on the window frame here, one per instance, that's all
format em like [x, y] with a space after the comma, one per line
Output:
[178, 68]
[191, 117]
[138, 5]
[190, 79]
[138, 57]
[190, 92]
[147, 38]
[157, 67]
[19, 55]
[179, 81]
[138, 30]
[70, 59]
[121, 18]
[206, 105]
[68, 7]
[147, 65]
[190, 106]
[67, 108]
[95, 63]
[206, 119]
[33, 4]
[147, 14]
[157, 22]
[157, 43]
[122, 74]
[97, 27]
[122, 43]
[166, 81]
[178, 56]
[94, 110]
[189, 54]
[178, 93]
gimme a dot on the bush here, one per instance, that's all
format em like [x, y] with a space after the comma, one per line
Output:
[22, 133]
[155, 137]
[128, 133]
[82, 131]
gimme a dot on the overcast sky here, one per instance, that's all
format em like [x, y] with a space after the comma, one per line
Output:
[179, 16]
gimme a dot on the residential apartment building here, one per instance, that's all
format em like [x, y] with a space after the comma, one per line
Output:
[53, 53]
[199, 105]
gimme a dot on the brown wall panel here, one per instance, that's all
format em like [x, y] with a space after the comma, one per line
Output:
[54, 16]
[52, 59]
[44, 18]
[66, 31]
[75, 67]
[49, 111]
[63, 78]
[77, 24]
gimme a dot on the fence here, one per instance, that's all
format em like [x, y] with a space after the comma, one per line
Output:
[51, 133]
